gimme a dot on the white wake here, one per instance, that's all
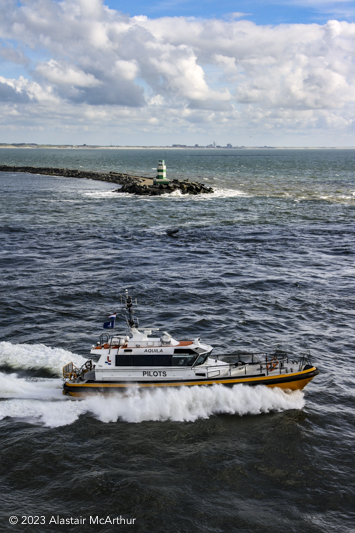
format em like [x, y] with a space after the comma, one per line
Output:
[37, 356]
[41, 402]
[188, 404]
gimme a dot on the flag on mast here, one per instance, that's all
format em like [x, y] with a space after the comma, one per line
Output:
[111, 323]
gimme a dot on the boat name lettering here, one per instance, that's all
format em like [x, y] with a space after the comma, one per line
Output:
[154, 373]
[153, 350]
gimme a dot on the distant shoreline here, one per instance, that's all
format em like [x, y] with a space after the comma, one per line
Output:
[218, 149]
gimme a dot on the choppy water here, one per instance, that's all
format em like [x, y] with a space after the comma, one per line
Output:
[266, 261]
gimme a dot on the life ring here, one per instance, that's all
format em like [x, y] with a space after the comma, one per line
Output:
[272, 365]
[72, 376]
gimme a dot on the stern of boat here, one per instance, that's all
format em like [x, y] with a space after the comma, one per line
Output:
[74, 374]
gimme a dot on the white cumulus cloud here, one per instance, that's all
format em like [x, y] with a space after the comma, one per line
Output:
[59, 73]
[102, 65]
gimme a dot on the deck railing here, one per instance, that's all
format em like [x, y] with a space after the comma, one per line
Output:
[276, 363]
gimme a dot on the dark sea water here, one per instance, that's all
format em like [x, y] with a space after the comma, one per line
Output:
[266, 261]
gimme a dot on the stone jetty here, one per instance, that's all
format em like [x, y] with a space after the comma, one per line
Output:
[185, 187]
[130, 184]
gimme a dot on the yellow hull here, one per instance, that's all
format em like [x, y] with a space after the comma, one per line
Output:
[296, 385]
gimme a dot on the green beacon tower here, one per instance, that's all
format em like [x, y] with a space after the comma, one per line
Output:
[161, 177]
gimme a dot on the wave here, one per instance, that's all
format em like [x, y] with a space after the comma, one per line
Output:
[296, 195]
[12, 386]
[40, 402]
[218, 193]
[177, 195]
[36, 356]
[229, 193]
[101, 194]
[187, 404]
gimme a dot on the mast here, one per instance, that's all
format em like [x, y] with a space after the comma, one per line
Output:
[131, 321]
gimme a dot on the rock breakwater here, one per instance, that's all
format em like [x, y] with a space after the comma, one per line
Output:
[130, 184]
[112, 177]
[185, 187]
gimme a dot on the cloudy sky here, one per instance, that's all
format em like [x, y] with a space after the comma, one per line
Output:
[253, 73]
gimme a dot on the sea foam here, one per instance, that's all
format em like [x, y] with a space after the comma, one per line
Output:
[40, 402]
[36, 356]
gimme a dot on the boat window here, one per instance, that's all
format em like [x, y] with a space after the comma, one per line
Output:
[201, 359]
[183, 360]
[184, 351]
[124, 360]
[143, 360]
[127, 351]
[162, 360]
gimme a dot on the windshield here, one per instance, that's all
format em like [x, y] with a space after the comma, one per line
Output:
[201, 359]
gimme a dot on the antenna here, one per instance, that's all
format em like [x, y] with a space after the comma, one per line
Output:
[128, 308]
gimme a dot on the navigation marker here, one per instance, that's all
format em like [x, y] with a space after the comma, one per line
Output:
[161, 177]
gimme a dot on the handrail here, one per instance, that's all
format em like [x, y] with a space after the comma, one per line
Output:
[72, 372]
[278, 355]
[270, 363]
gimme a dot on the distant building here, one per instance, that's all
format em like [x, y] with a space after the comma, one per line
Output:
[229, 146]
[179, 145]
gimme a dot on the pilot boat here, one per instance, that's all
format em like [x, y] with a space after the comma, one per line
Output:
[140, 359]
